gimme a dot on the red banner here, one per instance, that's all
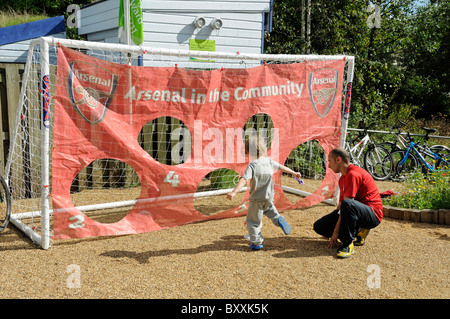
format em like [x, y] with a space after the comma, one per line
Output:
[101, 108]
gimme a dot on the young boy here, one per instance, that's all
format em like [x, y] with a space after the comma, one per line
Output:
[259, 172]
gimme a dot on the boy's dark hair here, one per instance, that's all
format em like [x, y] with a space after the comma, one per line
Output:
[342, 153]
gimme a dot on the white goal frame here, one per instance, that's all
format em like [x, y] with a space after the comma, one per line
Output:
[43, 238]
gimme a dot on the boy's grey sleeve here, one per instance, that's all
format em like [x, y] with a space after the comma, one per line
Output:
[248, 174]
[275, 165]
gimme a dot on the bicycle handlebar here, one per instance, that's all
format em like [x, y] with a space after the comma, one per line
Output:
[398, 127]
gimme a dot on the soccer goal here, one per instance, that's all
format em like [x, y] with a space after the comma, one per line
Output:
[113, 139]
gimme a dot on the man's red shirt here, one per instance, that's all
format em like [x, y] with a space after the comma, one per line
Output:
[358, 184]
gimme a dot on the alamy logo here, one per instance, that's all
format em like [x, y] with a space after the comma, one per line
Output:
[374, 20]
[91, 90]
[322, 87]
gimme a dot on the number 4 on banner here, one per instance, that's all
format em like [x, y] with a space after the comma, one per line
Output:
[172, 178]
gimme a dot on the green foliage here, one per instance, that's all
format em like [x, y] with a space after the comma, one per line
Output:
[223, 178]
[308, 159]
[10, 18]
[407, 112]
[405, 62]
[287, 27]
[428, 191]
[426, 59]
[49, 7]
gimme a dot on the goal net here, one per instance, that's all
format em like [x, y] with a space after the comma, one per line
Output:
[113, 139]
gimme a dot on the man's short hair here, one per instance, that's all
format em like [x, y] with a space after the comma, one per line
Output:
[342, 153]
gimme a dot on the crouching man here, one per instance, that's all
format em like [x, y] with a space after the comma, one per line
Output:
[360, 207]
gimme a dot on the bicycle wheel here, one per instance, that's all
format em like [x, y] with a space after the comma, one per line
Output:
[391, 147]
[397, 156]
[403, 167]
[5, 204]
[378, 162]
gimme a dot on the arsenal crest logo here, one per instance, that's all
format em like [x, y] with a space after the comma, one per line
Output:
[91, 90]
[322, 86]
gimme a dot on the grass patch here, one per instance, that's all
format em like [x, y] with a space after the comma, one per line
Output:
[11, 17]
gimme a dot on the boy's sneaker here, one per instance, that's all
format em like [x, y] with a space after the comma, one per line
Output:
[284, 225]
[256, 247]
[361, 237]
[345, 252]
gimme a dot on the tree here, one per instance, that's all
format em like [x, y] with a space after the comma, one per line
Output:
[425, 60]
[386, 69]
[48, 7]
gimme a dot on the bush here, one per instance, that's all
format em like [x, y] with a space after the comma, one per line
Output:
[223, 178]
[426, 191]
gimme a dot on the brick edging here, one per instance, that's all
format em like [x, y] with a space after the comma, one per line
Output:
[431, 216]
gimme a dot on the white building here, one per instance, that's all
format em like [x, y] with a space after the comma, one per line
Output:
[170, 24]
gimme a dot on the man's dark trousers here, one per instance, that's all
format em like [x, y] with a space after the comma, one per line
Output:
[354, 215]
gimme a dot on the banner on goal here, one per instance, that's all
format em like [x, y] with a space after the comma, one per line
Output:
[101, 108]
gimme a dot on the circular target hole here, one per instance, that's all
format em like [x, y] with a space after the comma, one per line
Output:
[105, 181]
[310, 160]
[167, 140]
[211, 195]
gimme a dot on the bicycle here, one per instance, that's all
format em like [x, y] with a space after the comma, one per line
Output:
[5, 204]
[401, 143]
[377, 159]
[417, 154]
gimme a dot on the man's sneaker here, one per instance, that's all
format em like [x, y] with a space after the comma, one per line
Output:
[361, 237]
[284, 225]
[345, 252]
[256, 247]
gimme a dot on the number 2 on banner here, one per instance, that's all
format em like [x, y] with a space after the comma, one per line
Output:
[78, 222]
[172, 178]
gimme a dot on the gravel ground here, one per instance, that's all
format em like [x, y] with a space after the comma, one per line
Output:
[212, 260]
